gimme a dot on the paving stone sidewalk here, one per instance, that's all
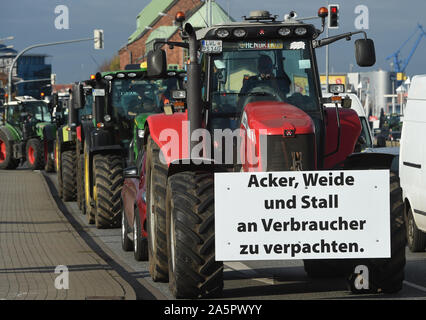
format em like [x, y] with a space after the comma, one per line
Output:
[35, 238]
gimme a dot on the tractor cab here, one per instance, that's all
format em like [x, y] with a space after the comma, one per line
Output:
[30, 132]
[130, 97]
[261, 75]
[27, 115]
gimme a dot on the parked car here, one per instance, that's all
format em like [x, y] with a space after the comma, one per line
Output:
[412, 164]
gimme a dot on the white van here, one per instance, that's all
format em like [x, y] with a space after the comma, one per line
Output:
[357, 107]
[412, 164]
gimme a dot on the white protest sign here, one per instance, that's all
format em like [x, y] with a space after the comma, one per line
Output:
[302, 215]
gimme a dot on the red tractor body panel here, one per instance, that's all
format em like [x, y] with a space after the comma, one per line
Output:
[168, 131]
[350, 131]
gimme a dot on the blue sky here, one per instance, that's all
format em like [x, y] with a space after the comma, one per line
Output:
[33, 22]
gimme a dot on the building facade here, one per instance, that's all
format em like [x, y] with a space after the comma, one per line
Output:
[156, 22]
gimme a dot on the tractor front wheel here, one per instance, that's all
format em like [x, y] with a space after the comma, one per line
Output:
[386, 275]
[108, 171]
[193, 269]
[35, 154]
[69, 182]
[156, 213]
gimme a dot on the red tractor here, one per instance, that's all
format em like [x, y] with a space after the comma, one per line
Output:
[259, 75]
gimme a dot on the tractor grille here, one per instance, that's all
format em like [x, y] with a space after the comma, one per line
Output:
[290, 154]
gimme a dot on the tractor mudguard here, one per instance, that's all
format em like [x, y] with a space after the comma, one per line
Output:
[196, 164]
[11, 136]
[350, 131]
[109, 149]
[372, 160]
[49, 132]
[168, 130]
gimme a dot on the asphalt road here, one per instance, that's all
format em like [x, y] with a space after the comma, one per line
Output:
[271, 280]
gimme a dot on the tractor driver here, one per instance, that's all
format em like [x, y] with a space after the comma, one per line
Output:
[265, 79]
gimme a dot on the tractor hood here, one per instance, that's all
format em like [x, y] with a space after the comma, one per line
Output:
[276, 117]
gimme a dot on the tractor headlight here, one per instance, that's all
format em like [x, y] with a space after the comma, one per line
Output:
[239, 33]
[222, 33]
[301, 31]
[107, 118]
[141, 133]
[284, 31]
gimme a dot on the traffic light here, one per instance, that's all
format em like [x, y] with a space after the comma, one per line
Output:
[333, 16]
[98, 38]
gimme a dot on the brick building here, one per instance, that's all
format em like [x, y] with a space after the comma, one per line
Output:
[155, 22]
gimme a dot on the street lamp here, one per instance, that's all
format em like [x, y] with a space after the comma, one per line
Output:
[98, 38]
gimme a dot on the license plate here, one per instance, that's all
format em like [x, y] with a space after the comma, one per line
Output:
[211, 46]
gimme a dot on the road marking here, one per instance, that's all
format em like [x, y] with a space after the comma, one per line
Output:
[413, 285]
[244, 269]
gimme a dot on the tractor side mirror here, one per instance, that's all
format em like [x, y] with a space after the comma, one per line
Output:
[131, 173]
[156, 63]
[365, 52]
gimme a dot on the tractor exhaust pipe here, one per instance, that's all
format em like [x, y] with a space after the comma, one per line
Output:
[193, 86]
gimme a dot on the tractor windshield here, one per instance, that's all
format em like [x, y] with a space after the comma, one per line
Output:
[37, 110]
[134, 96]
[276, 70]
[87, 110]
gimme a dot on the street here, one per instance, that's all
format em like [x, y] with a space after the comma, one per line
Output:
[35, 228]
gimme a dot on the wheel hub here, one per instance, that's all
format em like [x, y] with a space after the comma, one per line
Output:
[31, 157]
[2, 151]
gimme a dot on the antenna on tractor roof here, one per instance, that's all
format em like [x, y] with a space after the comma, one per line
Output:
[260, 15]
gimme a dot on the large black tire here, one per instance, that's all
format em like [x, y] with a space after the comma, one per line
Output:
[35, 154]
[387, 275]
[156, 182]
[416, 239]
[126, 242]
[108, 170]
[6, 161]
[193, 269]
[69, 179]
[80, 182]
[328, 268]
[140, 244]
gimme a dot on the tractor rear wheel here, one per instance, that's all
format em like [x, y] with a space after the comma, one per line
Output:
[35, 154]
[69, 182]
[6, 157]
[387, 274]
[108, 172]
[416, 238]
[156, 176]
[193, 269]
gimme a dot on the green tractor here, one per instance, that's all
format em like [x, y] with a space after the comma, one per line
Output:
[122, 102]
[79, 107]
[27, 134]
